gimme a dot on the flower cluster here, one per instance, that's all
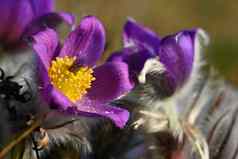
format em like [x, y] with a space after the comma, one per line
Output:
[68, 76]
[70, 80]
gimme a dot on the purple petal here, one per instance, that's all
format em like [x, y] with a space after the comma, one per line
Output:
[135, 34]
[59, 99]
[135, 58]
[54, 97]
[17, 14]
[112, 81]
[86, 41]
[4, 17]
[41, 7]
[118, 115]
[50, 20]
[45, 44]
[176, 52]
[85, 106]
[68, 18]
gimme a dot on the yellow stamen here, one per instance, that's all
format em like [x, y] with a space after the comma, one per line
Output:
[73, 84]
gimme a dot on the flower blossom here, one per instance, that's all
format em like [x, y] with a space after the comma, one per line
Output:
[23, 16]
[174, 54]
[68, 75]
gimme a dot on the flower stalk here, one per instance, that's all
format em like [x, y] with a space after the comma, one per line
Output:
[18, 139]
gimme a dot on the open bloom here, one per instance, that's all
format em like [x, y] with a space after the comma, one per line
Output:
[17, 15]
[68, 77]
[175, 53]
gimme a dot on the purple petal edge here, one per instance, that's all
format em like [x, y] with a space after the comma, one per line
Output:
[136, 34]
[112, 81]
[16, 16]
[86, 42]
[51, 20]
[134, 57]
[45, 44]
[118, 115]
[68, 18]
[177, 53]
[88, 107]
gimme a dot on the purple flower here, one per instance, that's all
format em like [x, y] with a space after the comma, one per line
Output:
[68, 77]
[175, 53]
[17, 15]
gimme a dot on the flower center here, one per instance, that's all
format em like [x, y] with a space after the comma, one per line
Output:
[73, 84]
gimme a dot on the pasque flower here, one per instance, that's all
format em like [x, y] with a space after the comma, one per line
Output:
[170, 73]
[17, 17]
[174, 52]
[70, 80]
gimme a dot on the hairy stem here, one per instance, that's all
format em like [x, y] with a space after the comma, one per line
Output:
[16, 141]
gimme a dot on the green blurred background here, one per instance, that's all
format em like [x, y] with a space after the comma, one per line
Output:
[219, 18]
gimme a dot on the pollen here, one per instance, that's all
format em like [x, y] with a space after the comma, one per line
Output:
[73, 84]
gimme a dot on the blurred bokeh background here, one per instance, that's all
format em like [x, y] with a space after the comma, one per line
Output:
[219, 18]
